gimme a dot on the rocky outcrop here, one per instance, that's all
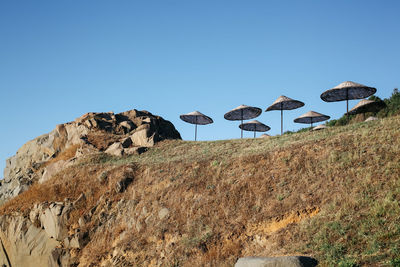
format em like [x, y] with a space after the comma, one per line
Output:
[41, 239]
[286, 261]
[24, 244]
[52, 219]
[126, 133]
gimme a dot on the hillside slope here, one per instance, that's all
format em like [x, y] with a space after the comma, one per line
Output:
[333, 195]
[128, 132]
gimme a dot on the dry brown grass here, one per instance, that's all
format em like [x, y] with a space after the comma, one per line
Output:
[306, 193]
[68, 185]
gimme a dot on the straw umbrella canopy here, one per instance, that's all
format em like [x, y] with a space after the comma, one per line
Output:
[254, 126]
[366, 106]
[311, 117]
[264, 136]
[347, 91]
[319, 127]
[241, 113]
[196, 118]
[284, 103]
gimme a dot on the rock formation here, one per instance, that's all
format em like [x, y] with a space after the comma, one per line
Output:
[129, 132]
[40, 240]
[34, 241]
[285, 261]
[42, 237]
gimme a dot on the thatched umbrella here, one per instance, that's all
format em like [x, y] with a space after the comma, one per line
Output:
[284, 103]
[319, 127]
[196, 118]
[254, 126]
[366, 106]
[264, 136]
[241, 113]
[347, 91]
[311, 117]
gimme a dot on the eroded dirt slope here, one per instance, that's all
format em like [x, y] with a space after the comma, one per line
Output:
[333, 195]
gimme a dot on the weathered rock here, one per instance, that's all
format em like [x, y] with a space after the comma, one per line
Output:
[143, 136]
[82, 221]
[127, 142]
[85, 149]
[34, 215]
[79, 240]
[23, 244]
[163, 213]
[115, 149]
[59, 257]
[135, 150]
[52, 169]
[102, 217]
[90, 133]
[43, 238]
[24, 165]
[4, 259]
[122, 184]
[372, 118]
[127, 126]
[74, 242]
[53, 220]
[149, 220]
[286, 261]
[138, 226]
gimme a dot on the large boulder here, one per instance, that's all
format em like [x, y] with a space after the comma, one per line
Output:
[127, 133]
[286, 261]
[115, 149]
[143, 136]
[53, 220]
[42, 238]
[23, 244]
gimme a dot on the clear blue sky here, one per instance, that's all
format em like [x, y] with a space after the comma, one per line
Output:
[61, 59]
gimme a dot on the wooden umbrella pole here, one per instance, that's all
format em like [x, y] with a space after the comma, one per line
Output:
[347, 104]
[255, 131]
[195, 131]
[241, 116]
[281, 120]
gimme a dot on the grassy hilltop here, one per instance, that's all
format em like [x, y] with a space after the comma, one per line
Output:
[332, 194]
